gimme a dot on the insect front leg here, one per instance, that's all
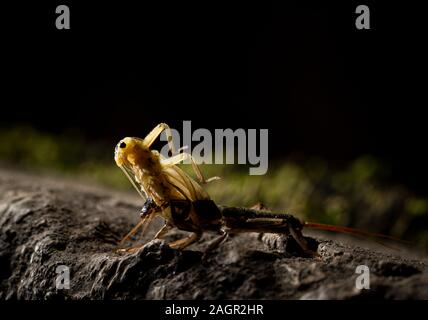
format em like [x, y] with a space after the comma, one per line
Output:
[133, 230]
[151, 137]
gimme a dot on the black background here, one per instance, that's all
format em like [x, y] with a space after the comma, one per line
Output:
[299, 68]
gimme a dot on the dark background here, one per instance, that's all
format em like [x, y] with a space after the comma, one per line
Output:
[299, 68]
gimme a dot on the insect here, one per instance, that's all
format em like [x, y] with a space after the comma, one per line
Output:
[183, 203]
[169, 191]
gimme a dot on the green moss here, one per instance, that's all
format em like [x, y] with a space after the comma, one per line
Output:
[416, 206]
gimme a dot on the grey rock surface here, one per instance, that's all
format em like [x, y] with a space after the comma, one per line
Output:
[49, 223]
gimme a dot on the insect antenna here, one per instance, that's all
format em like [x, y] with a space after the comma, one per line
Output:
[129, 175]
[352, 231]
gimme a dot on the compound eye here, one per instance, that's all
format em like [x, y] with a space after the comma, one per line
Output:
[122, 145]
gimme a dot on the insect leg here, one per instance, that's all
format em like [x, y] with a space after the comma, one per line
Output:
[130, 233]
[187, 241]
[216, 242]
[184, 156]
[300, 239]
[151, 137]
[163, 231]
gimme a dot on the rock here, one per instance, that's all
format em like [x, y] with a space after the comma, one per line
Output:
[49, 226]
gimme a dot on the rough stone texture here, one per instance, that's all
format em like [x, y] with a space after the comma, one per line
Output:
[45, 223]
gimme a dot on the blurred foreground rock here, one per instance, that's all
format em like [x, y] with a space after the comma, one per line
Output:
[46, 225]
